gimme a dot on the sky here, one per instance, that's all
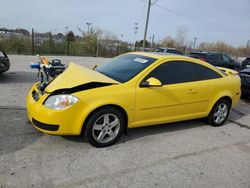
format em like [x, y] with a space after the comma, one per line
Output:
[207, 20]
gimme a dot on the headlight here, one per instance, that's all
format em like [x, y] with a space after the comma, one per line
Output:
[59, 102]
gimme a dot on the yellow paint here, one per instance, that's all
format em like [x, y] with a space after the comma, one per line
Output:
[143, 105]
[154, 82]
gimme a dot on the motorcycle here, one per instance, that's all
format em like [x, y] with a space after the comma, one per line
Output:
[47, 71]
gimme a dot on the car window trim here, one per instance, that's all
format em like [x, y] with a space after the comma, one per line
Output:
[153, 68]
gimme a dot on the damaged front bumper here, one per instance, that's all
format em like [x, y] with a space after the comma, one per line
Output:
[68, 121]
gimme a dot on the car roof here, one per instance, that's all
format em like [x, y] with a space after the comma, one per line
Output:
[198, 52]
[205, 52]
[165, 48]
[165, 56]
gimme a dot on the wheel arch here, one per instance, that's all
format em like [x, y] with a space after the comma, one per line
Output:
[229, 99]
[121, 109]
[226, 97]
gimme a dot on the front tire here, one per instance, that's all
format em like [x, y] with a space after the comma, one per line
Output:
[104, 127]
[219, 113]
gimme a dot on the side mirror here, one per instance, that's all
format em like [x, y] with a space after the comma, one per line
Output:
[151, 82]
[94, 67]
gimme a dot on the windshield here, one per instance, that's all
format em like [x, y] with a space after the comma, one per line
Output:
[125, 67]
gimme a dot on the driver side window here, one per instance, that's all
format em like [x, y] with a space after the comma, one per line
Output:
[174, 72]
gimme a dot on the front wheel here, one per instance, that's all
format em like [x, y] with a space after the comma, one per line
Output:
[219, 113]
[104, 127]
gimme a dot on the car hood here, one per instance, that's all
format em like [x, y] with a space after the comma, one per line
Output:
[76, 75]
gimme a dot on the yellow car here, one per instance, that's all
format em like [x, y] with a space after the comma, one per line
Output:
[132, 90]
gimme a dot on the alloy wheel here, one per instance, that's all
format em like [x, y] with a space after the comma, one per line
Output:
[106, 128]
[220, 113]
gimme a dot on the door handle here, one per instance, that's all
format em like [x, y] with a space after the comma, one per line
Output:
[192, 91]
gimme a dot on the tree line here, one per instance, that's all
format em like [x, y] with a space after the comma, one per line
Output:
[97, 42]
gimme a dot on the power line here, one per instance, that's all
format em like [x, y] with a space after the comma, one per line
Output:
[217, 5]
[154, 3]
[201, 21]
[233, 6]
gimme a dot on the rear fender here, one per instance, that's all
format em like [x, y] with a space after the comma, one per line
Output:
[217, 97]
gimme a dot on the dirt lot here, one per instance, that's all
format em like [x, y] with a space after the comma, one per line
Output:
[187, 154]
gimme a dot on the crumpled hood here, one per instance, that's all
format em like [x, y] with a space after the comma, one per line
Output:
[76, 75]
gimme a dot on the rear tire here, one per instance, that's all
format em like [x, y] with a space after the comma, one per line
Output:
[219, 113]
[104, 127]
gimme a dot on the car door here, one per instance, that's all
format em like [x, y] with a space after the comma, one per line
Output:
[180, 97]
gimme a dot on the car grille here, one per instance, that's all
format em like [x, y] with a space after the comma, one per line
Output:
[45, 126]
[35, 95]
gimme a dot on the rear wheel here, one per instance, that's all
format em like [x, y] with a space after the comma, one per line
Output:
[219, 113]
[104, 127]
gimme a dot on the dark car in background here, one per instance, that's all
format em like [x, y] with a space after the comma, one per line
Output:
[217, 59]
[245, 82]
[246, 63]
[4, 62]
[169, 50]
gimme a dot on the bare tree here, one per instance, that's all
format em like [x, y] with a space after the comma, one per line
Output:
[167, 42]
[181, 36]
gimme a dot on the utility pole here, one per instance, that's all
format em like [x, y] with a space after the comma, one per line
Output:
[32, 42]
[66, 30]
[248, 43]
[68, 43]
[135, 31]
[195, 38]
[152, 43]
[146, 26]
[67, 39]
[89, 24]
[97, 48]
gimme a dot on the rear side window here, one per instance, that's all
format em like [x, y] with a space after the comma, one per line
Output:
[182, 71]
[204, 73]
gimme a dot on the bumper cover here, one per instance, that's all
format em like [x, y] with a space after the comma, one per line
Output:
[68, 121]
[4, 66]
[45, 126]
